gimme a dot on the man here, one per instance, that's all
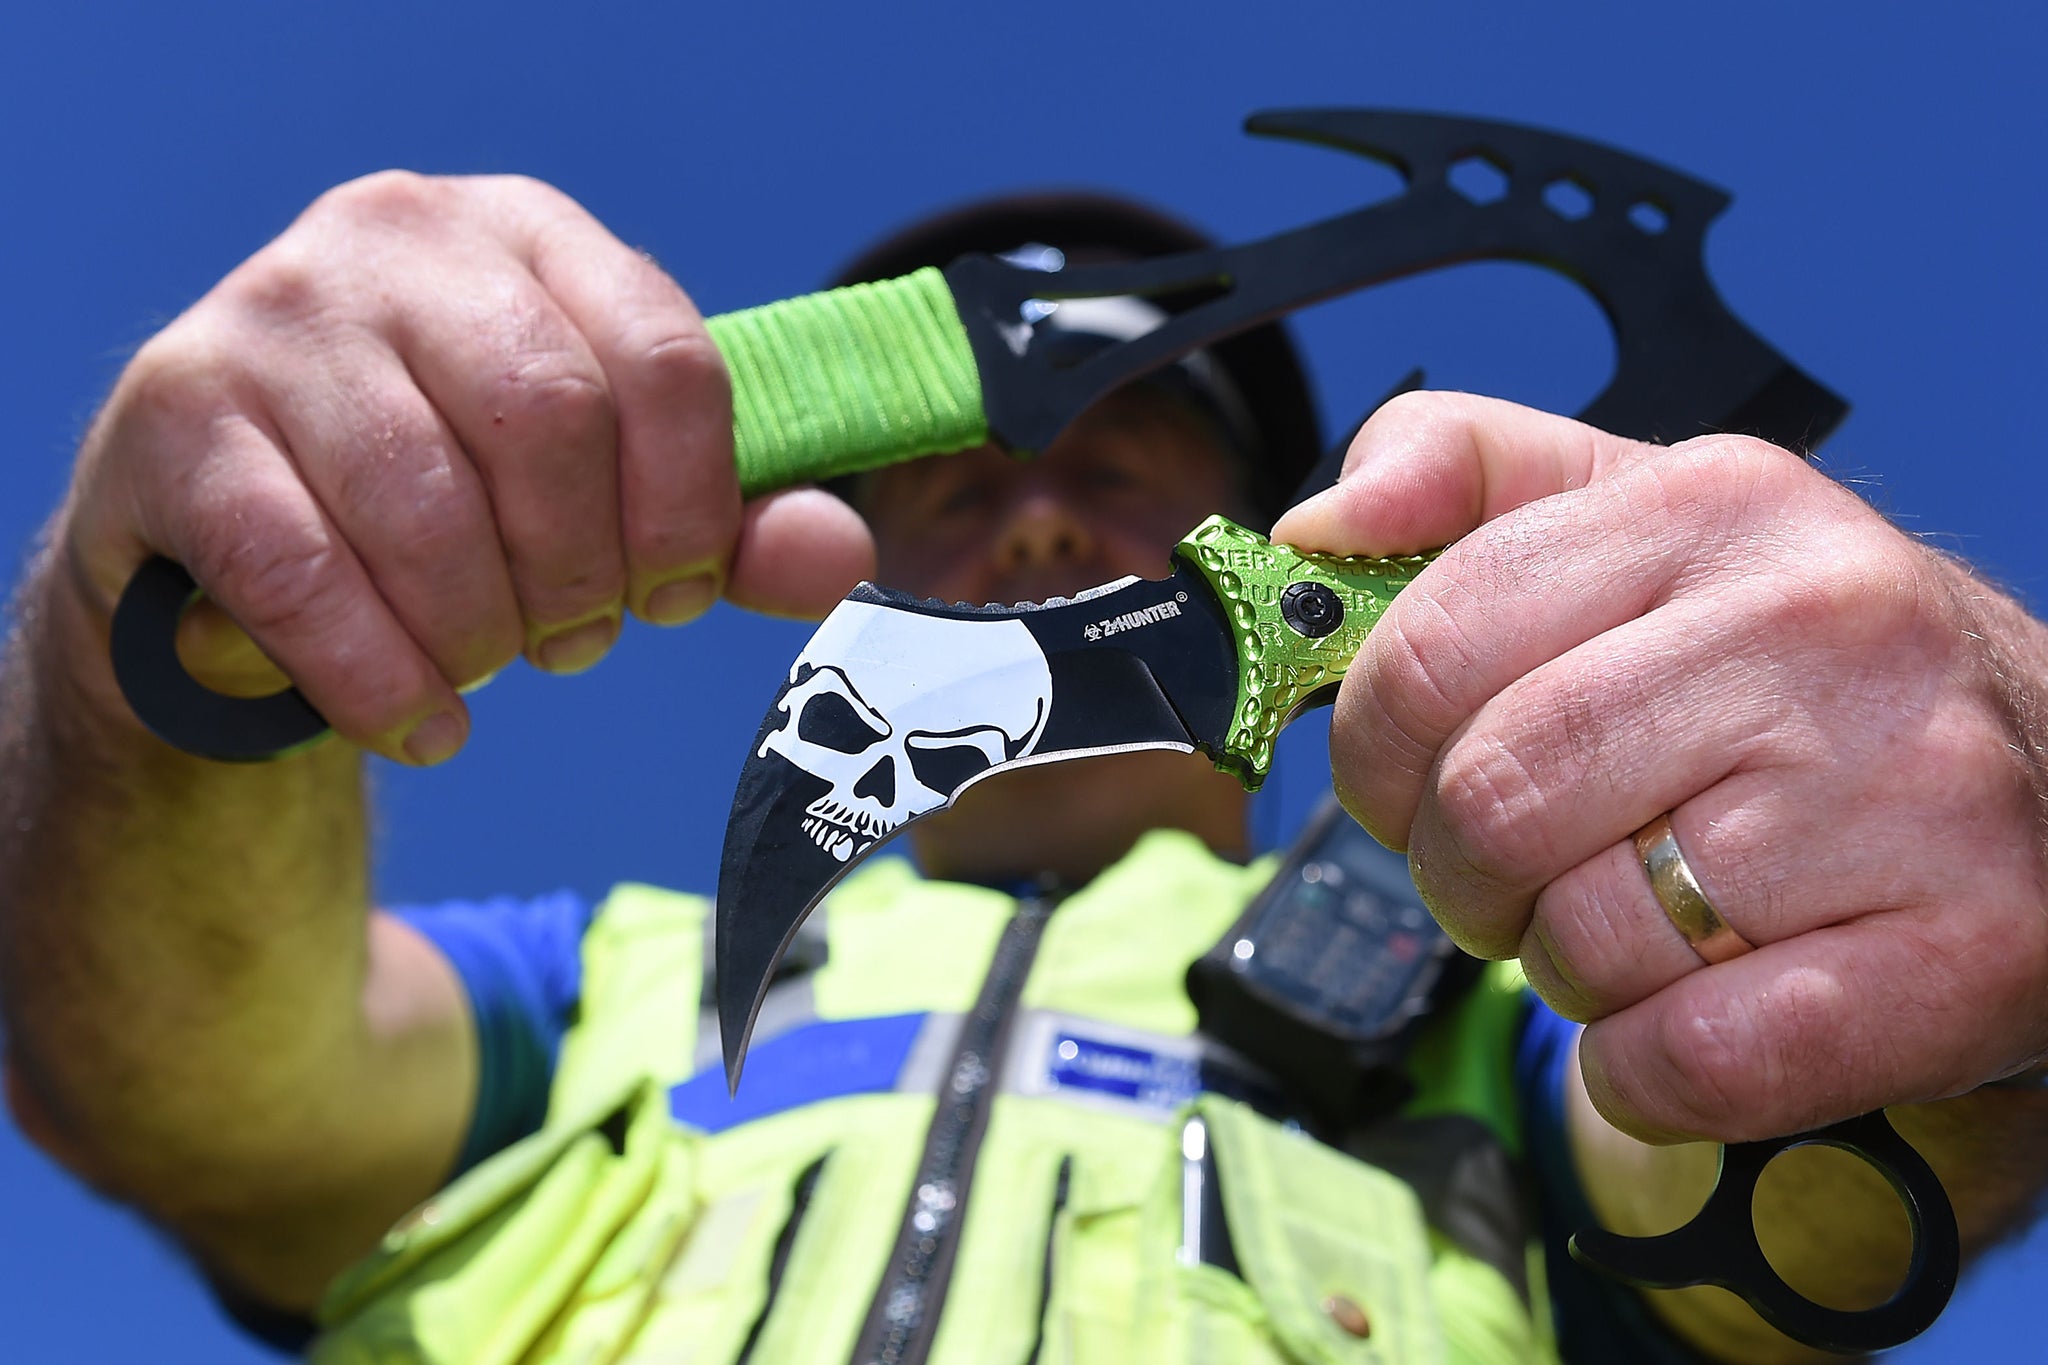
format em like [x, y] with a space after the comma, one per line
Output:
[438, 425]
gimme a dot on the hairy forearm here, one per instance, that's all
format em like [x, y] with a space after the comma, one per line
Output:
[1829, 1223]
[181, 942]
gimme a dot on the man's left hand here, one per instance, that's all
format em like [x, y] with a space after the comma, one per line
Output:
[1837, 718]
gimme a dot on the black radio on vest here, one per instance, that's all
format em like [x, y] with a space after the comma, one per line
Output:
[1326, 977]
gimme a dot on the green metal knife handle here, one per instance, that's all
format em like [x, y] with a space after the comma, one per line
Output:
[1283, 668]
[849, 379]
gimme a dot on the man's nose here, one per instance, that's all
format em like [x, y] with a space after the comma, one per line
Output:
[1042, 528]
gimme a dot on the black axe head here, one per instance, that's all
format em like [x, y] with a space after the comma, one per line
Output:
[1635, 241]
[1629, 231]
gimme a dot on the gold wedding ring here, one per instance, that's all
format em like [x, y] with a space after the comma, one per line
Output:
[1678, 891]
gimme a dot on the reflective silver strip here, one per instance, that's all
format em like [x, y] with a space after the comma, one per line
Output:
[930, 1062]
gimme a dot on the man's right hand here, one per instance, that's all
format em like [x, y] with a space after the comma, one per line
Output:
[437, 424]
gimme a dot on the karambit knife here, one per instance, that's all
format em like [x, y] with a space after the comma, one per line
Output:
[1241, 637]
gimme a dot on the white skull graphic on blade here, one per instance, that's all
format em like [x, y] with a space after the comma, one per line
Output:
[897, 711]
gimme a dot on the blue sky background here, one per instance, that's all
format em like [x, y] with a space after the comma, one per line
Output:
[1886, 162]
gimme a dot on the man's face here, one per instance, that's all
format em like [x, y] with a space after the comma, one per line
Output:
[1110, 497]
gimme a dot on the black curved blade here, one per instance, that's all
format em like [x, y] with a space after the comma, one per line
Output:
[898, 705]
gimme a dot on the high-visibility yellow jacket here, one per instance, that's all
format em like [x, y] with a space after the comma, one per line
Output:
[622, 1233]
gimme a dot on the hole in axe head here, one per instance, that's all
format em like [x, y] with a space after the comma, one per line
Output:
[1479, 178]
[1649, 218]
[1568, 198]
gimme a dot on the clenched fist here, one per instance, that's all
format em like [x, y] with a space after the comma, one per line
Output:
[436, 425]
[1836, 718]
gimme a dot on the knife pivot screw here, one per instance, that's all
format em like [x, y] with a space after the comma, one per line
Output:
[1312, 609]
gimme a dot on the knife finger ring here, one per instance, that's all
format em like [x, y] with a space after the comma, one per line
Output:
[1678, 891]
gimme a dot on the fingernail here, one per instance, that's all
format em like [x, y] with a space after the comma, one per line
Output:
[578, 647]
[1303, 514]
[685, 599]
[434, 739]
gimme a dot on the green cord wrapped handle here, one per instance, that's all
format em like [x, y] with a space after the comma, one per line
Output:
[849, 379]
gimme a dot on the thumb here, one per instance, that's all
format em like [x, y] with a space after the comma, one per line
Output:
[1430, 467]
[799, 552]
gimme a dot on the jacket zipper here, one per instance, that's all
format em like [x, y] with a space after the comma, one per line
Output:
[903, 1318]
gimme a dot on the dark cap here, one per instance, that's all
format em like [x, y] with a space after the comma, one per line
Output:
[1267, 387]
